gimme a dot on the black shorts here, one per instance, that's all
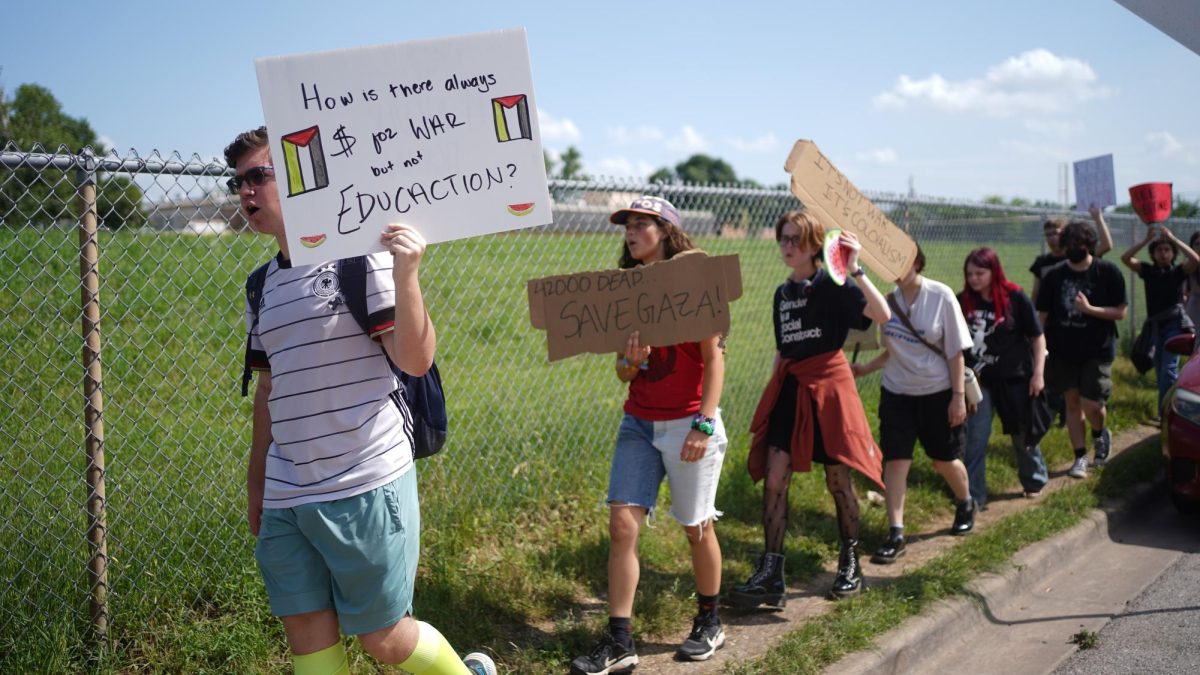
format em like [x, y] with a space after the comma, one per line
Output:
[783, 421]
[903, 420]
[1093, 378]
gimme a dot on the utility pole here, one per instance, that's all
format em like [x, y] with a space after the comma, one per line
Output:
[1064, 176]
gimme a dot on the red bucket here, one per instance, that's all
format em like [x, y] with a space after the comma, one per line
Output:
[1152, 201]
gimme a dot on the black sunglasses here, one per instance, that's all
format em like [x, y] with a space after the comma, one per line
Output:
[792, 239]
[255, 177]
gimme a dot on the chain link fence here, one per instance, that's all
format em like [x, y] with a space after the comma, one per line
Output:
[122, 472]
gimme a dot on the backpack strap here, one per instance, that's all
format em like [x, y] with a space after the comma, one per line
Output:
[352, 277]
[254, 292]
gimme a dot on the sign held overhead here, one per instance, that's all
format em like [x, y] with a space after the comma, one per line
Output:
[818, 184]
[438, 134]
[1095, 184]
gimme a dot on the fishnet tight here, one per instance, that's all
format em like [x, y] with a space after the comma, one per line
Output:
[775, 503]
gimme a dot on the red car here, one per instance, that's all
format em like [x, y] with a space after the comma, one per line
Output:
[1181, 429]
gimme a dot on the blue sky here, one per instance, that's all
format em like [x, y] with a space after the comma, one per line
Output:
[966, 98]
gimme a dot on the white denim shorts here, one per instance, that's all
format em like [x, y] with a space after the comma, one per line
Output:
[647, 451]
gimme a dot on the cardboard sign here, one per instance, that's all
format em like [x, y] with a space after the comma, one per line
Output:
[863, 340]
[684, 299]
[438, 134]
[1094, 183]
[818, 184]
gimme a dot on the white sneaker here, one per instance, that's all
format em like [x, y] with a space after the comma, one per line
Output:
[1079, 468]
[479, 664]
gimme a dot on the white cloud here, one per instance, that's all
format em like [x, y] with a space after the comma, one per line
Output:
[1058, 128]
[619, 167]
[765, 143]
[687, 140]
[1163, 144]
[880, 156]
[563, 130]
[1036, 81]
[106, 142]
[642, 134]
[1037, 152]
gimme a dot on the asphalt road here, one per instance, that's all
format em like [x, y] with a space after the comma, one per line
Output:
[1159, 631]
[1135, 588]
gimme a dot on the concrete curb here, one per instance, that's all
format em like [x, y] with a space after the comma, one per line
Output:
[905, 648]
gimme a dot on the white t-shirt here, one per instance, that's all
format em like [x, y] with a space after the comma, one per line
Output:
[912, 368]
[336, 432]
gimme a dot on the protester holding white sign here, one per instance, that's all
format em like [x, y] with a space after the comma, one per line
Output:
[672, 428]
[332, 494]
[441, 134]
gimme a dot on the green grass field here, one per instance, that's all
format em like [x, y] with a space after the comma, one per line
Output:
[514, 531]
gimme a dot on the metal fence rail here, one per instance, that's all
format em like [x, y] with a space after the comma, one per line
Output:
[151, 255]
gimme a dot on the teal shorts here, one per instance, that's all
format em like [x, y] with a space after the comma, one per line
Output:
[357, 555]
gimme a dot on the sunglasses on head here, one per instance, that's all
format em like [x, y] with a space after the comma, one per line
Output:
[255, 177]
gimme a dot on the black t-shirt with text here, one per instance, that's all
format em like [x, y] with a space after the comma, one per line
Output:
[813, 316]
[1001, 352]
[1164, 286]
[1070, 334]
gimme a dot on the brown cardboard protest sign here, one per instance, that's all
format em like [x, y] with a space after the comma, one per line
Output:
[684, 299]
[862, 340]
[817, 183]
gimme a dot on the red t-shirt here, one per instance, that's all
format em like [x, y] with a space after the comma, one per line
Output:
[671, 387]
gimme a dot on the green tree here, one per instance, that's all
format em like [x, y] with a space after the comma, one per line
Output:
[42, 197]
[572, 165]
[699, 169]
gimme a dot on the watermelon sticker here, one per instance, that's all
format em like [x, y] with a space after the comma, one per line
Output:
[521, 209]
[837, 257]
[313, 241]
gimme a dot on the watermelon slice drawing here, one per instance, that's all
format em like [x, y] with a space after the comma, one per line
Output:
[837, 257]
[313, 241]
[521, 209]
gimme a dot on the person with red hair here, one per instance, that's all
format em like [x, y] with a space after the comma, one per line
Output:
[1008, 355]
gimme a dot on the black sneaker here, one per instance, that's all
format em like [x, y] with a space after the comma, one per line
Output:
[707, 637]
[608, 656]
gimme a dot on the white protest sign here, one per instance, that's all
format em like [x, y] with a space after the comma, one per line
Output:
[1094, 183]
[439, 134]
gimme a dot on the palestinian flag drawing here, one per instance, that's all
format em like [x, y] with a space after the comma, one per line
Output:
[512, 118]
[304, 161]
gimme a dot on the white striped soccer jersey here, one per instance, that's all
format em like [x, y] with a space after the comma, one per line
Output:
[336, 429]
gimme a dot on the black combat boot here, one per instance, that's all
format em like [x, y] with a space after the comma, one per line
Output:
[849, 579]
[964, 517]
[765, 586]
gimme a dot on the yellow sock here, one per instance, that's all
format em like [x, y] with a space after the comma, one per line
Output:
[433, 655]
[328, 661]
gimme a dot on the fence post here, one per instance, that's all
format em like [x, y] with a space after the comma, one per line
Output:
[89, 275]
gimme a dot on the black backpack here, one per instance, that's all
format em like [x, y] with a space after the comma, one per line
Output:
[423, 396]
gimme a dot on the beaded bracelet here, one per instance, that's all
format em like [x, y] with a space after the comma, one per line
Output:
[704, 424]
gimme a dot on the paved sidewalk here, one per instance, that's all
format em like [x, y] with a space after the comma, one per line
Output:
[1022, 621]
[751, 634]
